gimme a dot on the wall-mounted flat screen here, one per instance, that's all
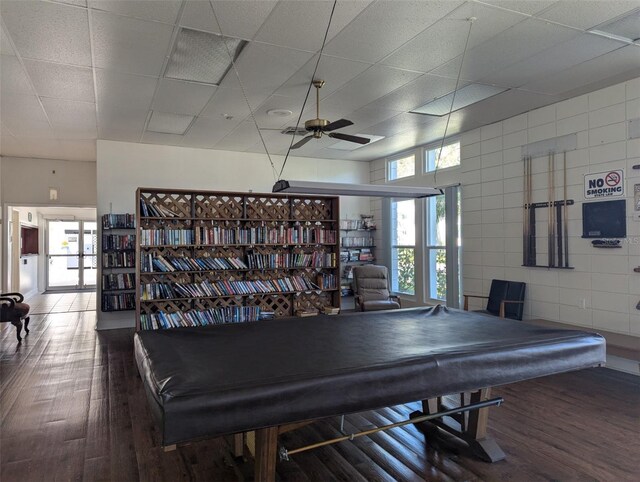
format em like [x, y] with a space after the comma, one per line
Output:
[604, 219]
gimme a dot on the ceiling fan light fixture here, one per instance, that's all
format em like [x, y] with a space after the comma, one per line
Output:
[342, 189]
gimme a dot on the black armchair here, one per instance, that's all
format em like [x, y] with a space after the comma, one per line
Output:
[14, 310]
[506, 299]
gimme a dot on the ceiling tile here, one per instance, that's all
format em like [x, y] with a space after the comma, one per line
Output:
[5, 44]
[21, 111]
[400, 123]
[302, 25]
[161, 138]
[78, 3]
[599, 69]
[61, 81]
[129, 45]
[367, 87]
[237, 19]
[48, 31]
[385, 26]
[123, 104]
[587, 13]
[278, 102]
[333, 70]
[77, 150]
[13, 78]
[206, 132]
[446, 39]
[366, 117]
[231, 102]
[180, 97]
[71, 120]
[529, 7]
[167, 123]
[240, 139]
[553, 60]
[513, 45]
[264, 68]
[33, 148]
[164, 11]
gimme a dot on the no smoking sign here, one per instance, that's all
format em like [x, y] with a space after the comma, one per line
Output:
[604, 184]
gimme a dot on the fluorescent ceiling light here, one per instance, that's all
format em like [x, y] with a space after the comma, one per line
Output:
[352, 146]
[166, 123]
[337, 188]
[626, 28]
[202, 57]
[469, 94]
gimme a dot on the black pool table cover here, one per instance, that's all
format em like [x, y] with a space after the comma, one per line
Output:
[215, 380]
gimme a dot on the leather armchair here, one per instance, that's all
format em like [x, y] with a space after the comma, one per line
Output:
[371, 289]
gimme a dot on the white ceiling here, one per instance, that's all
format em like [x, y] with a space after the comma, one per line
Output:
[73, 71]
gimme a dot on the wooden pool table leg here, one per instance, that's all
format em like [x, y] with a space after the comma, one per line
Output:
[476, 431]
[266, 454]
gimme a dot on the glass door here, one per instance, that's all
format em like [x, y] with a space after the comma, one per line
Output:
[71, 257]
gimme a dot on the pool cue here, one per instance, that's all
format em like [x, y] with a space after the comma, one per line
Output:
[550, 217]
[566, 220]
[525, 221]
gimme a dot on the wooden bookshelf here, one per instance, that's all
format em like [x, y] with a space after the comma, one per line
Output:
[117, 263]
[356, 249]
[208, 257]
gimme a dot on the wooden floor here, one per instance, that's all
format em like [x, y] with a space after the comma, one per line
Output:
[72, 408]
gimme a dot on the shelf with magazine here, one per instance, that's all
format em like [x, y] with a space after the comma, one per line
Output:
[118, 244]
[211, 257]
[357, 245]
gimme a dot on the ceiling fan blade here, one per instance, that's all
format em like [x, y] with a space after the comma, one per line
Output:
[339, 124]
[347, 137]
[302, 142]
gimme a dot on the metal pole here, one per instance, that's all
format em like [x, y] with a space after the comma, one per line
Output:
[532, 225]
[550, 216]
[525, 221]
[284, 453]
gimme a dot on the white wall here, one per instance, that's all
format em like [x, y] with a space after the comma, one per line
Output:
[602, 291]
[123, 167]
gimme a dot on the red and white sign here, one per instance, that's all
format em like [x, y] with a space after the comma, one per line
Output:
[604, 184]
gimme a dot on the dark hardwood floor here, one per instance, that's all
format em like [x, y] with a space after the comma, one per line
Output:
[72, 408]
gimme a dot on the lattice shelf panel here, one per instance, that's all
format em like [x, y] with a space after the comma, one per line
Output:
[280, 305]
[205, 304]
[219, 206]
[313, 300]
[178, 203]
[219, 275]
[311, 209]
[219, 251]
[268, 207]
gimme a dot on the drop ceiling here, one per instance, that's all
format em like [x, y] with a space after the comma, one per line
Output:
[73, 71]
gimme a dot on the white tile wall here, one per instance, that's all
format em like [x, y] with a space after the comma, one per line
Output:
[602, 291]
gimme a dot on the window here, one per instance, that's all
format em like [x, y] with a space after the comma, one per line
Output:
[443, 246]
[450, 156]
[399, 168]
[403, 240]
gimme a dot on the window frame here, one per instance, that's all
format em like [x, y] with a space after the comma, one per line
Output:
[393, 246]
[436, 145]
[399, 157]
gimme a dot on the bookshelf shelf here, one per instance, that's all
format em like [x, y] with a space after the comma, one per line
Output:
[118, 262]
[186, 216]
[356, 249]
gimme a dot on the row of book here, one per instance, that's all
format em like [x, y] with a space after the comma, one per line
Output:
[182, 263]
[353, 224]
[160, 236]
[118, 302]
[118, 221]
[362, 254]
[118, 281]
[156, 291]
[327, 281]
[264, 235]
[119, 260]
[355, 241]
[155, 210]
[212, 316]
[118, 241]
[317, 259]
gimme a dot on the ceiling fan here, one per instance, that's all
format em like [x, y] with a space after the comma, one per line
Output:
[318, 127]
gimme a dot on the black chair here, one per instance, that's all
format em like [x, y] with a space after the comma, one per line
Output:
[371, 289]
[13, 310]
[506, 299]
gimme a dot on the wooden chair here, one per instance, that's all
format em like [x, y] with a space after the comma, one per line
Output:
[14, 310]
[371, 289]
[506, 299]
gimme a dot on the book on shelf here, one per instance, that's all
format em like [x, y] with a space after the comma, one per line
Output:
[118, 241]
[306, 313]
[118, 221]
[212, 316]
[150, 209]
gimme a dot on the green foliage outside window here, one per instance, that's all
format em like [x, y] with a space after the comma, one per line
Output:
[406, 270]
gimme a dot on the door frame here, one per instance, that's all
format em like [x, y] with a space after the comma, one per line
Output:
[81, 256]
